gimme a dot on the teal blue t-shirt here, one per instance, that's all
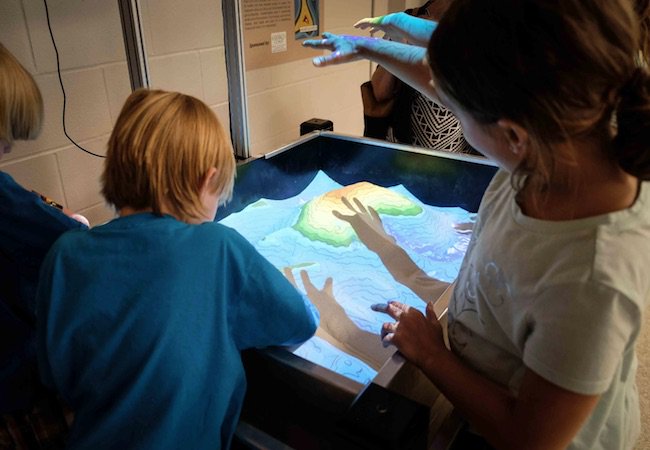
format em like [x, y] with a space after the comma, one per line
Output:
[28, 228]
[141, 322]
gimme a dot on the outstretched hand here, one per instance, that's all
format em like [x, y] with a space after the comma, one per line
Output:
[401, 27]
[337, 324]
[389, 24]
[344, 48]
[375, 24]
[319, 297]
[367, 224]
[418, 337]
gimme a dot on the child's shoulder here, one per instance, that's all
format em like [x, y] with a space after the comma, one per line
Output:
[211, 231]
[215, 228]
[636, 219]
[497, 195]
[72, 236]
[500, 179]
[5, 178]
[10, 189]
[643, 200]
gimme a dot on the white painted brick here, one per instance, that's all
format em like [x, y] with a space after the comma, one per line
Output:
[349, 120]
[87, 111]
[40, 174]
[274, 142]
[13, 33]
[174, 26]
[87, 33]
[258, 80]
[400, 5]
[223, 113]
[339, 90]
[215, 82]
[297, 71]
[81, 173]
[98, 214]
[181, 72]
[278, 110]
[381, 7]
[118, 88]
[145, 17]
[344, 13]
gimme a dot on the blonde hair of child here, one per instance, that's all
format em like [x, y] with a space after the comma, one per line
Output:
[21, 104]
[161, 148]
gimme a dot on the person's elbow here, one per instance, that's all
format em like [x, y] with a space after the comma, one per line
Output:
[314, 317]
[309, 324]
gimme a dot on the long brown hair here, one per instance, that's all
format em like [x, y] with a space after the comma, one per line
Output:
[562, 69]
[642, 8]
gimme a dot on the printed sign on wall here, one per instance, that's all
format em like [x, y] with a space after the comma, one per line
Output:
[307, 18]
[274, 30]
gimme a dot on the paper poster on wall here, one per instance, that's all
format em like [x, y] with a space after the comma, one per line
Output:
[306, 24]
[275, 29]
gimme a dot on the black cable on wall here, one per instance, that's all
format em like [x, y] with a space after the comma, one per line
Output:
[58, 69]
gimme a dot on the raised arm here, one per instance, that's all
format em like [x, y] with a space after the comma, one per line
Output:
[402, 60]
[384, 84]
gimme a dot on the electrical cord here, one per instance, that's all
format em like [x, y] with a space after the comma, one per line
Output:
[58, 69]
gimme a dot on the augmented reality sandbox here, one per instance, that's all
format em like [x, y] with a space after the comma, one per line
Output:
[329, 387]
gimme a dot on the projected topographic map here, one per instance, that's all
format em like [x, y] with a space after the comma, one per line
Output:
[302, 233]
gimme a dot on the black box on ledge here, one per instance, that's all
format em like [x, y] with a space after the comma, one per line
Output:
[316, 124]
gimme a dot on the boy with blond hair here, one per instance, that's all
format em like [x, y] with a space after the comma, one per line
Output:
[142, 320]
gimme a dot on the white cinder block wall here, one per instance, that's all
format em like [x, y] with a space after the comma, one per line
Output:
[88, 36]
[281, 97]
[185, 47]
[186, 53]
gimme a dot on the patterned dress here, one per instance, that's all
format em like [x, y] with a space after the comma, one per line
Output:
[434, 126]
[416, 120]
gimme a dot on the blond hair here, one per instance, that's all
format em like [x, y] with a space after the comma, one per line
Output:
[162, 147]
[21, 104]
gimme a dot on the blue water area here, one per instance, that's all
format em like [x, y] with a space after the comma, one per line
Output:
[360, 278]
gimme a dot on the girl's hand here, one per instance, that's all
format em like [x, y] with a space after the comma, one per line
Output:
[388, 24]
[344, 48]
[322, 299]
[400, 27]
[418, 337]
[367, 224]
[319, 297]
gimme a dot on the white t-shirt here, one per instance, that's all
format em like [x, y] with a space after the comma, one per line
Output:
[564, 299]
